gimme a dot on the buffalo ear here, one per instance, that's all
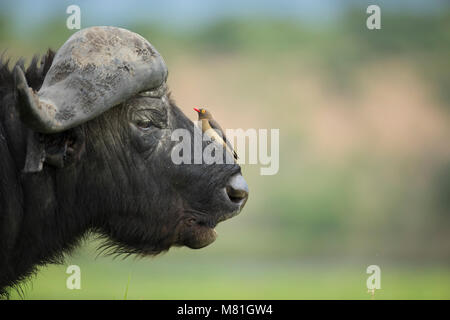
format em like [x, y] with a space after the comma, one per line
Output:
[57, 150]
[35, 157]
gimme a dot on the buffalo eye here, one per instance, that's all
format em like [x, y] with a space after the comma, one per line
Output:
[144, 124]
[147, 119]
[148, 114]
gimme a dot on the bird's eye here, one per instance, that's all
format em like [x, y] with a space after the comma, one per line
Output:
[203, 111]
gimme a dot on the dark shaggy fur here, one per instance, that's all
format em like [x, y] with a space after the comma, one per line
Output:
[122, 185]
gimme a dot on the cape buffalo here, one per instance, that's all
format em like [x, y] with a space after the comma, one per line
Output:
[85, 145]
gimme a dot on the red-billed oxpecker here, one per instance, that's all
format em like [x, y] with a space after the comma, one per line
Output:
[207, 122]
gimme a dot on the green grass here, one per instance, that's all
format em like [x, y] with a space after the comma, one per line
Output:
[125, 297]
[176, 276]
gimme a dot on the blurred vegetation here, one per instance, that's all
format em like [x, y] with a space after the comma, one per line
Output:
[340, 48]
[336, 214]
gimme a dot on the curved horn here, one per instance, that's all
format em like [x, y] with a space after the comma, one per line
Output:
[96, 69]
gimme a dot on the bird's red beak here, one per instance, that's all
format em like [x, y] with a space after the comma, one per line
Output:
[197, 110]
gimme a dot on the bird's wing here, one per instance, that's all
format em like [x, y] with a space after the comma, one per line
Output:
[213, 123]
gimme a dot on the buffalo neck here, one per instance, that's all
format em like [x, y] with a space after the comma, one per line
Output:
[39, 218]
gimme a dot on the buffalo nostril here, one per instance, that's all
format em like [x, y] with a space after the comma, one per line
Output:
[236, 196]
[237, 189]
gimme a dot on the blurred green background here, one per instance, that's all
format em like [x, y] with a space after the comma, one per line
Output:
[364, 119]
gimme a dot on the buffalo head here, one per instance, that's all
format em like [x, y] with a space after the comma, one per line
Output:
[101, 130]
